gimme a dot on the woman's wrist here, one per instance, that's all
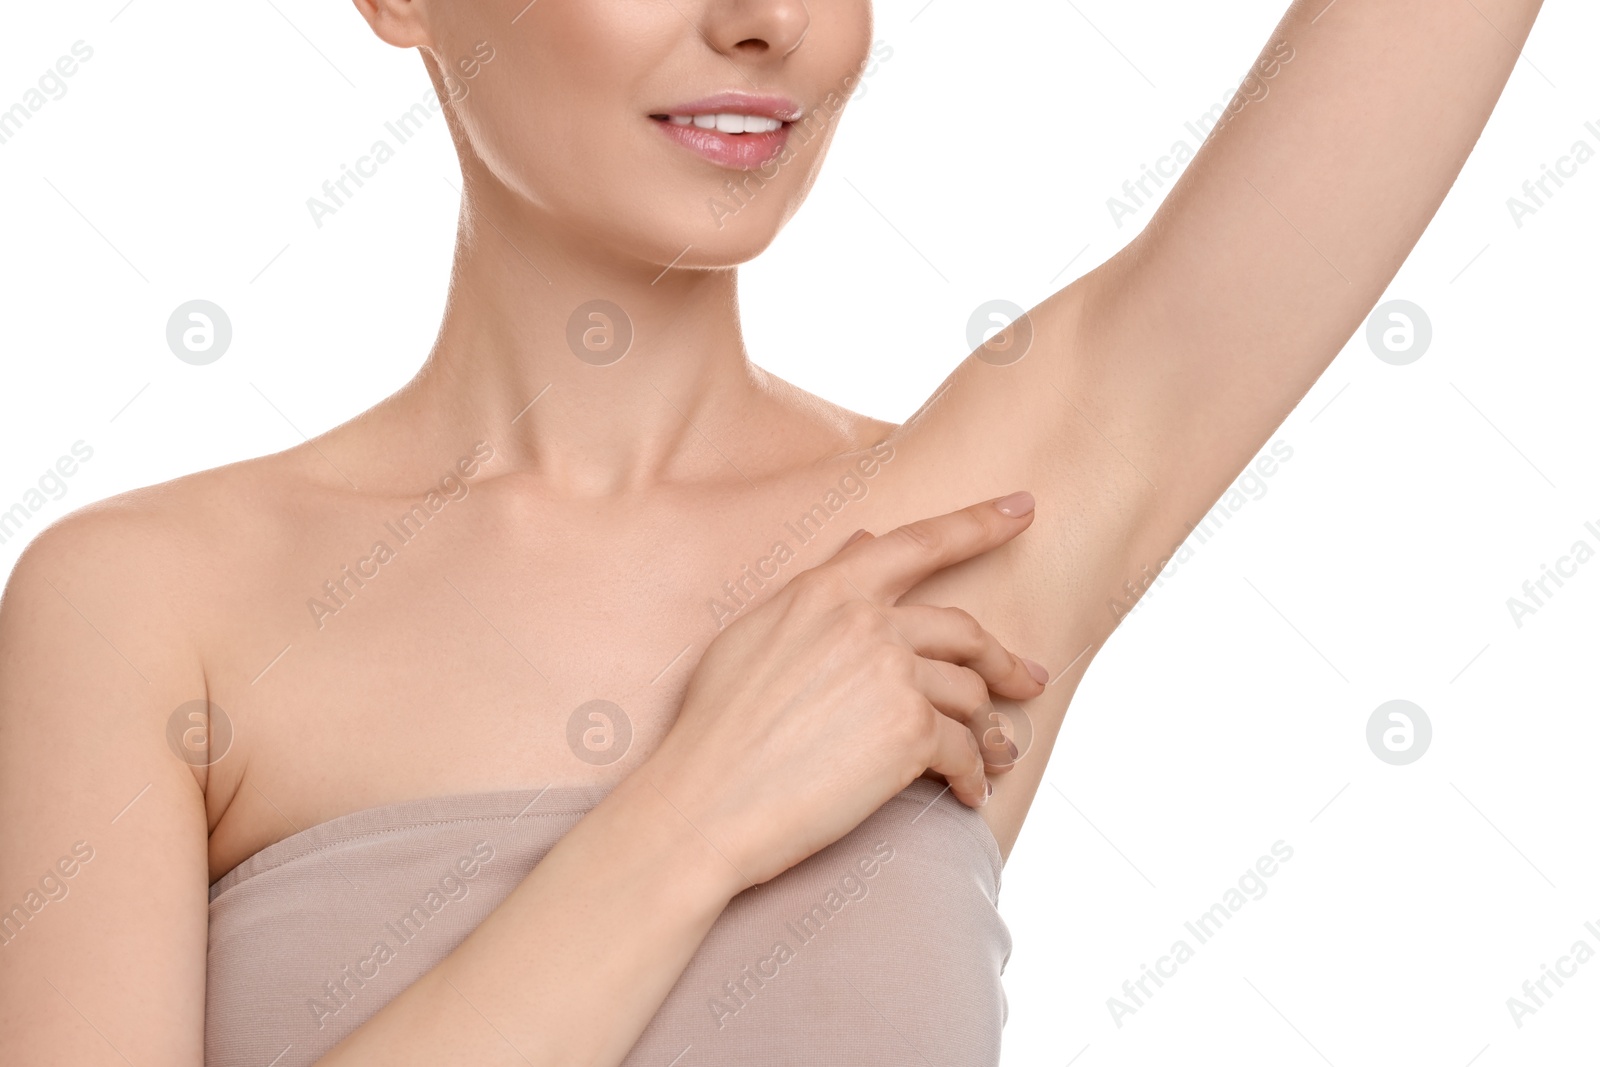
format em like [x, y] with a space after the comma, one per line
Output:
[671, 845]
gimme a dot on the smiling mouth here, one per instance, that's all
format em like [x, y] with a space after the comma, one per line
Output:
[734, 140]
[731, 122]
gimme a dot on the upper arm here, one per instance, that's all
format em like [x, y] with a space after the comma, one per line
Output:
[1150, 382]
[1290, 222]
[103, 875]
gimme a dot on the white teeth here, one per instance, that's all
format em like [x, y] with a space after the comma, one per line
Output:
[727, 122]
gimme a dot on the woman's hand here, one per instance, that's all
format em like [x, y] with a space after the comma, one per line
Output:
[809, 713]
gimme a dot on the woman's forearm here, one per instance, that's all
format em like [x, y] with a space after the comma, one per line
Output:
[577, 960]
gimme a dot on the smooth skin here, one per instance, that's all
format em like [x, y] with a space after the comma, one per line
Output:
[584, 560]
[628, 894]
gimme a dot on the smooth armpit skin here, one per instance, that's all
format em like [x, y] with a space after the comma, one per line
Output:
[798, 772]
[1152, 382]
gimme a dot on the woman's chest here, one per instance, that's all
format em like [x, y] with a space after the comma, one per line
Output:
[484, 649]
[506, 648]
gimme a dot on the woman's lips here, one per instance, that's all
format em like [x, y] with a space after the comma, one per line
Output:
[715, 127]
[738, 151]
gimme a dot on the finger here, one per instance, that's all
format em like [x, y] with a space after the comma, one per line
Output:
[957, 692]
[953, 635]
[993, 731]
[961, 695]
[852, 539]
[884, 568]
[956, 757]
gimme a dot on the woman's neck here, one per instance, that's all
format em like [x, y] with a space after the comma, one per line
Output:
[594, 399]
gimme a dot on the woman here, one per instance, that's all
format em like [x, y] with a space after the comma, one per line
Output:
[543, 713]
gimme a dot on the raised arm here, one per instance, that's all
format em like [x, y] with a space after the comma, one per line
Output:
[1150, 382]
[1284, 231]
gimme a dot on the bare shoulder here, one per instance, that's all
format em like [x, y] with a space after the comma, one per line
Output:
[109, 610]
[100, 626]
[151, 554]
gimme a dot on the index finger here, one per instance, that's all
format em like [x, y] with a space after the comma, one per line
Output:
[885, 568]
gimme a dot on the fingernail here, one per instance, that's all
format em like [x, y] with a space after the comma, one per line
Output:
[1015, 504]
[988, 790]
[1040, 675]
[1011, 747]
[858, 535]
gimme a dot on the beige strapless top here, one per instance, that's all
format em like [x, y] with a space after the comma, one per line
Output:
[885, 948]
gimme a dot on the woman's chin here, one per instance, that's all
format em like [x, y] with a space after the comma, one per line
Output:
[697, 246]
[726, 252]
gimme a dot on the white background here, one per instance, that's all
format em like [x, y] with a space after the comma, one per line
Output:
[1229, 713]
